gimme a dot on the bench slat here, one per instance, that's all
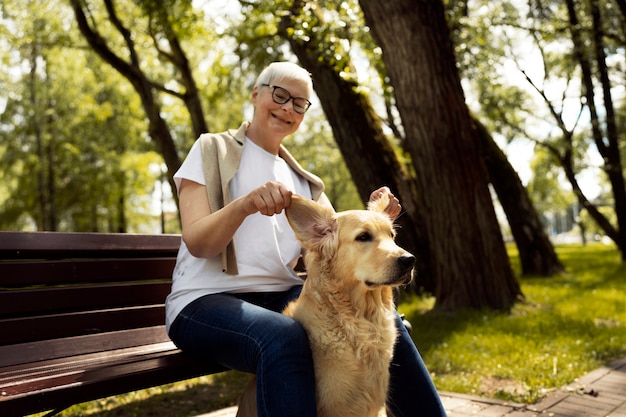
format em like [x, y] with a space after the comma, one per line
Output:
[30, 329]
[127, 372]
[66, 271]
[38, 373]
[80, 298]
[57, 351]
[33, 245]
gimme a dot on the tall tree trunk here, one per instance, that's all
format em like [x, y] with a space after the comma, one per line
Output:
[357, 129]
[537, 255]
[606, 140]
[467, 253]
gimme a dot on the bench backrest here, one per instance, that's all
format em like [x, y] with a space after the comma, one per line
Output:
[60, 285]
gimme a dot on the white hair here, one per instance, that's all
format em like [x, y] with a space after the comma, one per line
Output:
[278, 71]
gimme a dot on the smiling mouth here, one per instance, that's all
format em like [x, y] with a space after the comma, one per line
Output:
[280, 118]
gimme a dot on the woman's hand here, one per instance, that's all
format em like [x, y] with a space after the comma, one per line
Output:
[394, 208]
[206, 232]
[269, 199]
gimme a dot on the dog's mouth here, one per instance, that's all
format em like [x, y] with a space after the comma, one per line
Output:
[401, 280]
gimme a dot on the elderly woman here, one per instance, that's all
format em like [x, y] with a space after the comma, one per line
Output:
[235, 269]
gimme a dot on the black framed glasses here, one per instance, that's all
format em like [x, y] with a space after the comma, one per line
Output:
[282, 96]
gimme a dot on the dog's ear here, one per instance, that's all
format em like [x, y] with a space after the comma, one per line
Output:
[314, 224]
[379, 204]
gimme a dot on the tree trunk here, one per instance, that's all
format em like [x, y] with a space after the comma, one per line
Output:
[606, 140]
[536, 252]
[368, 153]
[467, 253]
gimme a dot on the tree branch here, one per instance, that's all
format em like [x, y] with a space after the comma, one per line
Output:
[122, 29]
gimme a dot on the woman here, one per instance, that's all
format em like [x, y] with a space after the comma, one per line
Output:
[234, 272]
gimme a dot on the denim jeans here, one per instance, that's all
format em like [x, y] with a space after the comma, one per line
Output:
[246, 332]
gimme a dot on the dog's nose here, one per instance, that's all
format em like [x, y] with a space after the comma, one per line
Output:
[407, 261]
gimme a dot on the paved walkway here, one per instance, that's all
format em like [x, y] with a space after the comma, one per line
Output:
[601, 393]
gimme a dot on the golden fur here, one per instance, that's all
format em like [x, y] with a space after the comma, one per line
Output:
[346, 305]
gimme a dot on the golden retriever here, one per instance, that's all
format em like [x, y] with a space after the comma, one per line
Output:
[346, 305]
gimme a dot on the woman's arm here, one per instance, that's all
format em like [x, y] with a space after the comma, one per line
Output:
[207, 233]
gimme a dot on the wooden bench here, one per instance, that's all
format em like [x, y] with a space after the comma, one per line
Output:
[81, 318]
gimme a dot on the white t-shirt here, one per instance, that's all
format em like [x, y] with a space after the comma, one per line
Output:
[263, 262]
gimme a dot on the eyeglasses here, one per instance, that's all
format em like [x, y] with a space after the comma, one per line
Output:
[282, 96]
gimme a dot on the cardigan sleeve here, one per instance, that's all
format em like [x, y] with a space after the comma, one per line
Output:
[221, 153]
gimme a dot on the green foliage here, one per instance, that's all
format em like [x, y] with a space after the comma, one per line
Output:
[567, 326]
[93, 166]
[524, 81]
[256, 37]
[544, 186]
[89, 116]
[67, 126]
[226, 91]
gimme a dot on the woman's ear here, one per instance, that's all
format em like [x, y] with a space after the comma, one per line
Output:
[255, 94]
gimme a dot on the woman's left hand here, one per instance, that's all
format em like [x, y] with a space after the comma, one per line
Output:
[394, 208]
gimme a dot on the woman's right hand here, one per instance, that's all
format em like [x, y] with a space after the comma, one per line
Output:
[207, 233]
[269, 199]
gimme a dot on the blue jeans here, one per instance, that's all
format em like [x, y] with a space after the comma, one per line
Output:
[246, 332]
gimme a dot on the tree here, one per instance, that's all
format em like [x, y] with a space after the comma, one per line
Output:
[335, 74]
[604, 132]
[64, 135]
[467, 252]
[323, 37]
[357, 128]
[567, 103]
[536, 252]
[160, 31]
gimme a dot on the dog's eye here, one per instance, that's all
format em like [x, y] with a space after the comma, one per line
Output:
[364, 237]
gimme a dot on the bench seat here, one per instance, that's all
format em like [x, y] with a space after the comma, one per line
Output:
[81, 318]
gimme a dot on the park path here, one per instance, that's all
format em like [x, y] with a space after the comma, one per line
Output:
[600, 393]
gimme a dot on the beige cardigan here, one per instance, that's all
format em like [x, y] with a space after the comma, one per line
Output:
[221, 155]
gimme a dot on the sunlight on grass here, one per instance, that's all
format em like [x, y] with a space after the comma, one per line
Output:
[183, 399]
[569, 325]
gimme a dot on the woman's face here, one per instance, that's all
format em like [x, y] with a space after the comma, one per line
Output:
[278, 119]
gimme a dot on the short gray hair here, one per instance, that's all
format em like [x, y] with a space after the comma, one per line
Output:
[277, 71]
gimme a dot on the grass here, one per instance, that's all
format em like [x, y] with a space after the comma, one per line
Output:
[183, 399]
[568, 325]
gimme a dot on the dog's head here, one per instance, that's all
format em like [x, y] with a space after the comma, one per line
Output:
[357, 245]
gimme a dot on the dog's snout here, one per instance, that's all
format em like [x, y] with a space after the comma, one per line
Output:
[407, 261]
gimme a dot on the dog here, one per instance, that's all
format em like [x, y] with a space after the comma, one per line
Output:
[346, 305]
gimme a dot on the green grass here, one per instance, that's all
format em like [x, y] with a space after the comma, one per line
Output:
[183, 399]
[569, 325]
